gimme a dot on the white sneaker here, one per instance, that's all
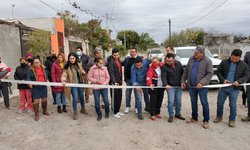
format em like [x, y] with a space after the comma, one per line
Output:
[127, 110]
[136, 111]
[20, 111]
[117, 116]
[120, 114]
[29, 111]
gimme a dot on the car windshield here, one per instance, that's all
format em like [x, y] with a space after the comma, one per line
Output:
[155, 52]
[186, 53]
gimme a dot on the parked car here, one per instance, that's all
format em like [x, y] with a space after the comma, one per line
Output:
[153, 53]
[186, 52]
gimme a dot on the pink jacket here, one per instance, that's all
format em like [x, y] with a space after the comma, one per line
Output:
[98, 75]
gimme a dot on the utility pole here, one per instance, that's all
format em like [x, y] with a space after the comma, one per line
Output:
[13, 15]
[107, 25]
[169, 32]
[124, 36]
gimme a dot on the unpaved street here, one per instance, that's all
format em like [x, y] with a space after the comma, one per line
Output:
[60, 131]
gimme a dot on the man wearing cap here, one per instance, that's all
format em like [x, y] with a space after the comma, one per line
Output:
[198, 73]
[231, 71]
[4, 85]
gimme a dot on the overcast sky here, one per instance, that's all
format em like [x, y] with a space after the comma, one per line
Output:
[227, 16]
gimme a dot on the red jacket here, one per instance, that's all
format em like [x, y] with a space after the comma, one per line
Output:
[56, 74]
[151, 74]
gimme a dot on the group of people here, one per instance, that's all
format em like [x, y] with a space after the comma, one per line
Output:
[160, 76]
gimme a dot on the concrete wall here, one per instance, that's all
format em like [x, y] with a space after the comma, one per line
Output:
[47, 24]
[10, 46]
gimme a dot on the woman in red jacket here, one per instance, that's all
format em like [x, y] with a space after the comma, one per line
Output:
[156, 94]
[56, 74]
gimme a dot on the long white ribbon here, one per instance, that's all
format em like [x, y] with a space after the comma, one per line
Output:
[102, 86]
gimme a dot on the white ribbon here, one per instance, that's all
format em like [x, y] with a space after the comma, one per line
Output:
[103, 86]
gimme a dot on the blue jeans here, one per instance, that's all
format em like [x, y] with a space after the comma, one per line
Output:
[104, 93]
[77, 92]
[221, 98]
[174, 99]
[138, 97]
[60, 99]
[194, 92]
[128, 94]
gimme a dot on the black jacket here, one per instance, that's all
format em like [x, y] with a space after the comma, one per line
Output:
[21, 74]
[247, 60]
[48, 63]
[241, 74]
[127, 73]
[172, 76]
[84, 59]
[115, 75]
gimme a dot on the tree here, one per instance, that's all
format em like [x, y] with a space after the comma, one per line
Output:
[190, 36]
[90, 31]
[39, 42]
[145, 42]
[129, 38]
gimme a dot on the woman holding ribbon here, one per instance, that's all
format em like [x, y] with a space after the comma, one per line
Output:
[38, 73]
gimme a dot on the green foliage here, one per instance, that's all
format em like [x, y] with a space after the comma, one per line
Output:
[91, 31]
[190, 36]
[145, 42]
[122, 49]
[39, 42]
[131, 37]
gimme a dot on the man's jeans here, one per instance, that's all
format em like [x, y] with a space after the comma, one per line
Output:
[128, 96]
[174, 97]
[194, 92]
[104, 93]
[77, 93]
[138, 97]
[221, 98]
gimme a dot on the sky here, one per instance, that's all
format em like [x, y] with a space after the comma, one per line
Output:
[143, 16]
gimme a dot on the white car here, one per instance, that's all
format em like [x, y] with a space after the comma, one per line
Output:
[155, 53]
[186, 52]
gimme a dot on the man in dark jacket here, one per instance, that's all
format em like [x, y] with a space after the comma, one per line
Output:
[128, 63]
[230, 71]
[84, 60]
[115, 72]
[198, 72]
[247, 60]
[24, 90]
[171, 78]
[48, 63]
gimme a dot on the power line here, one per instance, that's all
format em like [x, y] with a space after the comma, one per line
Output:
[112, 10]
[200, 11]
[37, 7]
[203, 16]
[49, 6]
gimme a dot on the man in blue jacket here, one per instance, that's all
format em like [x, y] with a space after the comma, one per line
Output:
[138, 78]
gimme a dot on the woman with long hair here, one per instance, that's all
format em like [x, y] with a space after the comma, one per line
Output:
[56, 74]
[73, 73]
